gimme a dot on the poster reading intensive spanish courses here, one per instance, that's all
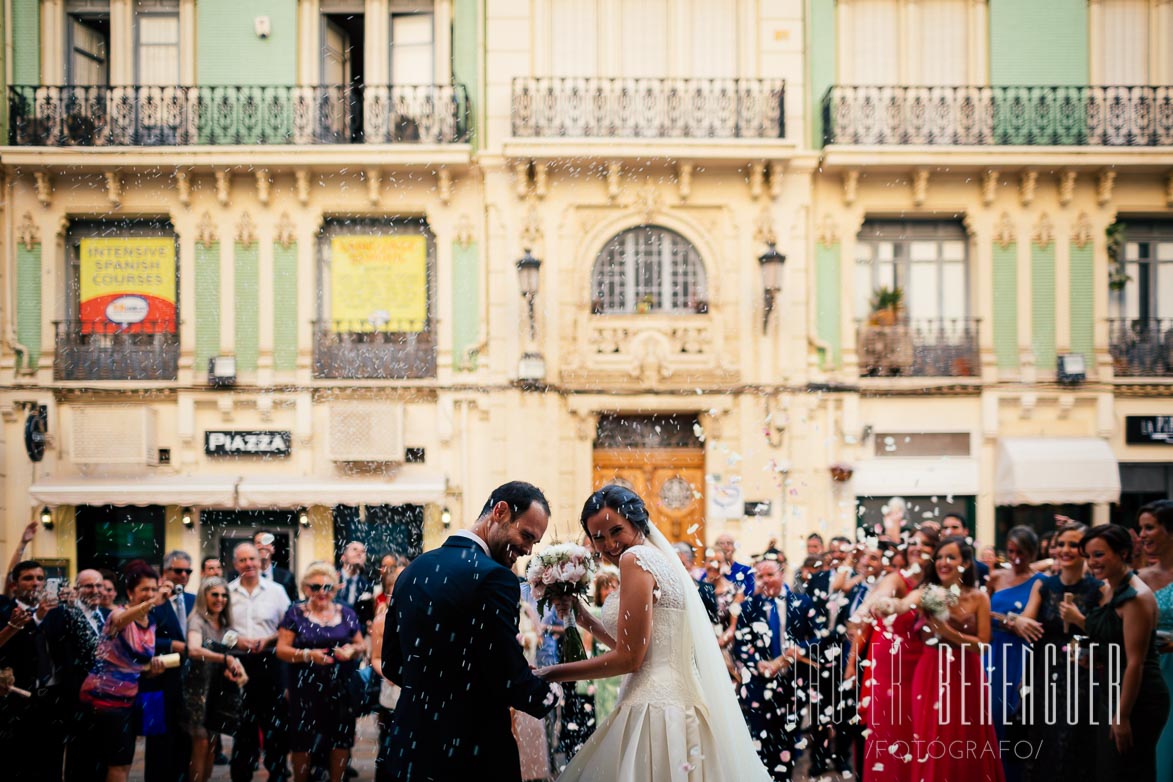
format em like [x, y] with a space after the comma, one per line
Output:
[128, 284]
[379, 282]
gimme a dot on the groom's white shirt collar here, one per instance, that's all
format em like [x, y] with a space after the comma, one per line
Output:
[463, 533]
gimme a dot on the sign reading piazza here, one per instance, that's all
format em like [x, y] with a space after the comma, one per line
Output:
[219, 443]
[128, 281]
[379, 280]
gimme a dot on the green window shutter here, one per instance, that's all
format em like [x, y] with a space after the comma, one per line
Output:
[1019, 56]
[207, 304]
[828, 293]
[246, 284]
[821, 53]
[1082, 301]
[1006, 305]
[26, 42]
[466, 305]
[285, 307]
[1042, 285]
[28, 300]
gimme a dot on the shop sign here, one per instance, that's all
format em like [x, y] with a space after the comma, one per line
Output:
[1148, 429]
[128, 284]
[247, 443]
[380, 281]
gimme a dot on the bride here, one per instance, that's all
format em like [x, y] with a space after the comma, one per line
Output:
[677, 717]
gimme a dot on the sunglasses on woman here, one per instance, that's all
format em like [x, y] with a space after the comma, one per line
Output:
[321, 587]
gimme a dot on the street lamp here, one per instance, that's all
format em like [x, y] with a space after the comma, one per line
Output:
[771, 262]
[528, 278]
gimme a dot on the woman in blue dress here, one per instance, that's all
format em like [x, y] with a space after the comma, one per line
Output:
[1156, 534]
[1010, 590]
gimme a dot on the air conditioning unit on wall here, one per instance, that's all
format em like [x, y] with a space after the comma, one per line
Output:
[366, 432]
[113, 434]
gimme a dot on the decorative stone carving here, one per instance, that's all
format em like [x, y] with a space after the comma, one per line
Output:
[531, 229]
[1081, 232]
[648, 201]
[1066, 187]
[444, 185]
[1043, 232]
[28, 232]
[541, 179]
[850, 187]
[246, 230]
[301, 179]
[374, 180]
[920, 186]
[775, 170]
[1027, 186]
[521, 177]
[113, 188]
[1104, 187]
[286, 233]
[827, 233]
[1005, 232]
[990, 182]
[44, 187]
[684, 180]
[757, 179]
[764, 232]
[263, 183]
[614, 179]
[183, 187]
[223, 186]
[206, 232]
[62, 227]
[968, 224]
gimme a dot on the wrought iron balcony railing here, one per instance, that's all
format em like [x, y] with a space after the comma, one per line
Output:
[591, 107]
[941, 347]
[999, 116]
[184, 116]
[357, 350]
[1141, 347]
[101, 350]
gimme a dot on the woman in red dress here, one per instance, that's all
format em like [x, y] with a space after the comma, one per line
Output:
[896, 644]
[953, 729]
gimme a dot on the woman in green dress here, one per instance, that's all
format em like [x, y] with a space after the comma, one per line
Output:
[1128, 728]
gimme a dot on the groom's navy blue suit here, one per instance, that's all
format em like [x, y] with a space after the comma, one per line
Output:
[451, 643]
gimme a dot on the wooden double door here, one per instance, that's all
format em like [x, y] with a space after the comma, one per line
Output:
[671, 482]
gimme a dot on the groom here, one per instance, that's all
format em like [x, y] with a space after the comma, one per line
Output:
[451, 643]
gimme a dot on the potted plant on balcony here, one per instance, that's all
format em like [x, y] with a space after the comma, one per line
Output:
[644, 305]
[885, 343]
[1114, 244]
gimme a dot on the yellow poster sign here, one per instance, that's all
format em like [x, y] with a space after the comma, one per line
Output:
[128, 283]
[379, 282]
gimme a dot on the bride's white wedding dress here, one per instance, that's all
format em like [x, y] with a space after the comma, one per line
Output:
[676, 718]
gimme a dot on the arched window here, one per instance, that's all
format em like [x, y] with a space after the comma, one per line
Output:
[648, 269]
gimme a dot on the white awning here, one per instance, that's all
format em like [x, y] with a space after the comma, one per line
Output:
[291, 491]
[1056, 470]
[205, 491]
[916, 476]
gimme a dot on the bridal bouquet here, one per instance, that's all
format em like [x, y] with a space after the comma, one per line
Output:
[936, 600]
[559, 571]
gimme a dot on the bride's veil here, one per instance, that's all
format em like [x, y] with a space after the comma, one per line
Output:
[738, 755]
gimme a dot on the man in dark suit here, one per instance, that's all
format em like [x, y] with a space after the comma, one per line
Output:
[954, 525]
[73, 631]
[829, 605]
[353, 584]
[264, 541]
[776, 631]
[168, 754]
[26, 723]
[451, 644]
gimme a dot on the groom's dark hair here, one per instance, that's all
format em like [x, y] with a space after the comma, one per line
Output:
[520, 496]
[623, 501]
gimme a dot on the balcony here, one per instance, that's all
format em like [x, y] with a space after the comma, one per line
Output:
[357, 350]
[1129, 116]
[637, 108]
[1141, 347]
[942, 347]
[149, 116]
[101, 350]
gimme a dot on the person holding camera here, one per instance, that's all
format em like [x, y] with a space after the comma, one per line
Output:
[322, 640]
[125, 653]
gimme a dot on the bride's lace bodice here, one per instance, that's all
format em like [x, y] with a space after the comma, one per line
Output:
[668, 674]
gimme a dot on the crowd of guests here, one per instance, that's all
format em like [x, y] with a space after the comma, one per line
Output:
[850, 664]
[274, 661]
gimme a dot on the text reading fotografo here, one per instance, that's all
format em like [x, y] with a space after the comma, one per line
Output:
[247, 443]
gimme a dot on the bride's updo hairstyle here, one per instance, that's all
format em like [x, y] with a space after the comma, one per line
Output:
[623, 501]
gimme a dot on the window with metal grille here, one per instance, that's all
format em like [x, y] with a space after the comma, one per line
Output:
[1148, 263]
[648, 269]
[925, 259]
